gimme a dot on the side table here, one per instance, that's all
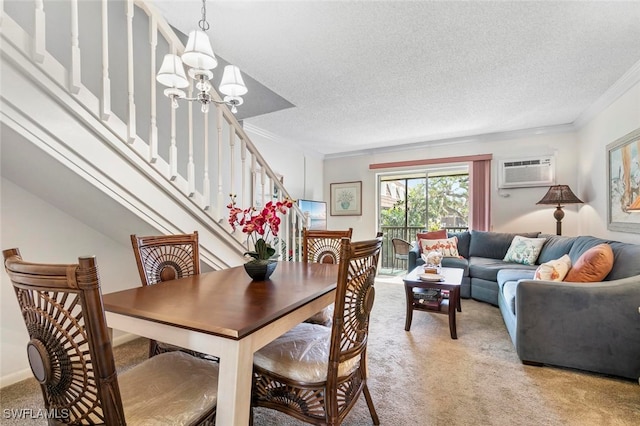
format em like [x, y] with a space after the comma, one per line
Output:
[451, 282]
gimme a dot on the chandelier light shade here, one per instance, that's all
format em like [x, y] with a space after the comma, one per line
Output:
[232, 83]
[558, 195]
[171, 73]
[198, 55]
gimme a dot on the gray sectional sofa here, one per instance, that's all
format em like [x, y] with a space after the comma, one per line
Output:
[587, 326]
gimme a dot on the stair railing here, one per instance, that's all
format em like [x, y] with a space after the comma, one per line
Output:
[206, 156]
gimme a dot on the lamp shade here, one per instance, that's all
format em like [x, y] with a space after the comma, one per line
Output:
[198, 53]
[232, 83]
[560, 194]
[171, 73]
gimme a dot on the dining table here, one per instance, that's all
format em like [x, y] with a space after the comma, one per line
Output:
[226, 314]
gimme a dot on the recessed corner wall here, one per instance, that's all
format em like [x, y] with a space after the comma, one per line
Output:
[615, 121]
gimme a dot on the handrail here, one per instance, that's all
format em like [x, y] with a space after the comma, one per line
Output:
[213, 147]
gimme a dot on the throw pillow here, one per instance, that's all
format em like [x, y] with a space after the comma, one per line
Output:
[553, 270]
[594, 265]
[431, 235]
[524, 250]
[447, 246]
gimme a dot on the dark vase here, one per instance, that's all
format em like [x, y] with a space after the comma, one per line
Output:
[260, 270]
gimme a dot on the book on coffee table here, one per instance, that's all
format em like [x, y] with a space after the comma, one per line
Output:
[430, 298]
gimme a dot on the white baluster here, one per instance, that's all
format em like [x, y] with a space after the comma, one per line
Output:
[243, 156]
[220, 197]
[191, 168]
[263, 179]
[173, 149]
[40, 33]
[131, 124]
[105, 101]
[206, 184]
[232, 155]
[74, 76]
[153, 126]
[254, 182]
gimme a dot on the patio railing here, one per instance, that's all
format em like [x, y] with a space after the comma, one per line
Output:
[405, 233]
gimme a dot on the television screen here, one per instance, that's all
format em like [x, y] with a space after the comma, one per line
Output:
[316, 212]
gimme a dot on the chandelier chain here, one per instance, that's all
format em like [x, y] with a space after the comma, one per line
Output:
[203, 24]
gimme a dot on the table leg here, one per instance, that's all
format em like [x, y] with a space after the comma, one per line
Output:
[452, 314]
[234, 384]
[458, 299]
[409, 295]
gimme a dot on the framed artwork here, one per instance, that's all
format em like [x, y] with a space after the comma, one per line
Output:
[623, 183]
[346, 199]
[315, 212]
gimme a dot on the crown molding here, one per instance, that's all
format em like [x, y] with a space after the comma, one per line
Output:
[619, 88]
[486, 137]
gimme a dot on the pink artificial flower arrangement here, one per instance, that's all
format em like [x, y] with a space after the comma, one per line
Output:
[258, 225]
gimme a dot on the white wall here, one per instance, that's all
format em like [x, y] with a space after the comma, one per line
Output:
[620, 118]
[37, 228]
[302, 171]
[512, 210]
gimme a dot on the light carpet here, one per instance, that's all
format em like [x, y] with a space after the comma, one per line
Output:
[423, 377]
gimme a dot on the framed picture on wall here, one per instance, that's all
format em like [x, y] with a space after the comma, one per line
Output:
[346, 199]
[623, 183]
[315, 213]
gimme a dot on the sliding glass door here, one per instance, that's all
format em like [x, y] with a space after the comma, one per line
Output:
[423, 200]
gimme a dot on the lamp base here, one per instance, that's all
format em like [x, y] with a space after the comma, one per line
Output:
[558, 215]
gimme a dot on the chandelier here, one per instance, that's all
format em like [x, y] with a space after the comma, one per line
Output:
[198, 55]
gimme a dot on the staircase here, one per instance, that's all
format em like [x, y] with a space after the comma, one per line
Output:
[78, 83]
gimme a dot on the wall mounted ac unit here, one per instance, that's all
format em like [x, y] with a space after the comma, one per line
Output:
[527, 172]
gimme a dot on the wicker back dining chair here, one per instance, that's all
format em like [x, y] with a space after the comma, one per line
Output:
[321, 246]
[71, 356]
[314, 373]
[162, 258]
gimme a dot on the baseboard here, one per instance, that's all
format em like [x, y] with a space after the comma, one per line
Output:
[15, 377]
[124, 338]
[25, 374]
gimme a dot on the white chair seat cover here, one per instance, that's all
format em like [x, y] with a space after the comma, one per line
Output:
[173, 388]
[302, 354]
[324, 317]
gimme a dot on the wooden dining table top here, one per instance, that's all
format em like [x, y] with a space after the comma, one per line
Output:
[226, 302]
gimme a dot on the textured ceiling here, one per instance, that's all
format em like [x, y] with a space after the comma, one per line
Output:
[367, 74]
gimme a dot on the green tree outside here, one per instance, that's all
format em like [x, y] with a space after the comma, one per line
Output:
[444, 204]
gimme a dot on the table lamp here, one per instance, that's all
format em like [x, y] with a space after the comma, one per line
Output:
[559, 195]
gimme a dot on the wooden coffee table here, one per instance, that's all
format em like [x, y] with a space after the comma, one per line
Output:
[452, 278]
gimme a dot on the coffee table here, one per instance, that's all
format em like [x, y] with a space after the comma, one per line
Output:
[452, 278]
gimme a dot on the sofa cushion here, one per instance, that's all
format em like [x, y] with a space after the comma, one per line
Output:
[464, 239]
[593, 265]
[447, 246]
[582, 244]
[514, 275]
[625, 262]
[554, 247]
[524, 250]
[553, 270]
[487, 268]
[493, 244]
[457, 262]
[431, 235]
[509, 294]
